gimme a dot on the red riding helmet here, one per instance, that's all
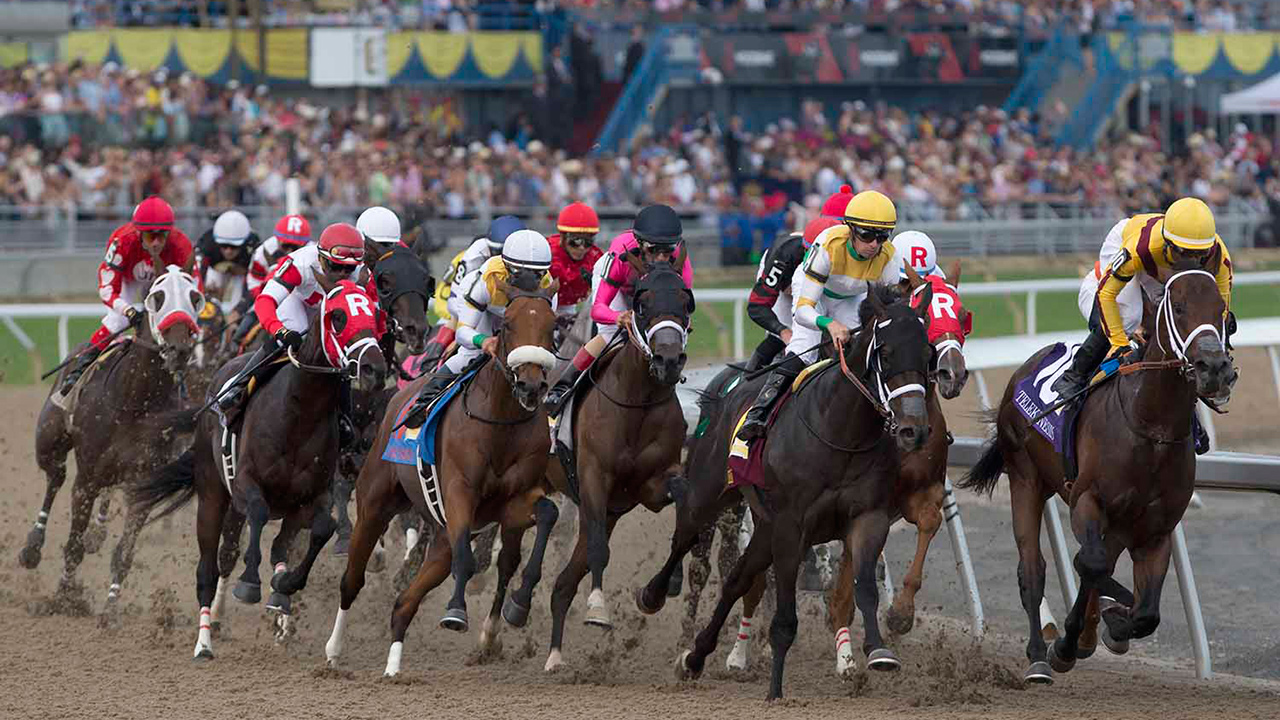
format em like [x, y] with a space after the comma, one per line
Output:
[815, 228]
[834, 206]
[293, 230]
[153, 214]
[342, 244]
[578, 218]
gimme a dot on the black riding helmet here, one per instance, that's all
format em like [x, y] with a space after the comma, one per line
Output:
[657, 225]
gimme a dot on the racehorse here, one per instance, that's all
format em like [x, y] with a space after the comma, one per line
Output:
[628, 430]
[282, 462]
[1136, 470]
[828, 471]
[492, 447]
[121, 427]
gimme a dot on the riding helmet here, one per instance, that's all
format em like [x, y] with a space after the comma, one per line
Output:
[1189, 224]
[657, 225]
[231, 228]
[342, 244]
[578, 218]
[293, 230]
[379, 225]
[500, 229]
[872, 209]
[153, 214]
[835, 205]
[527, 250]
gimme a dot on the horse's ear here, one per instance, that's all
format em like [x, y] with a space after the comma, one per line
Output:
[505, 287]
[553, 288]
[633, 259]
[431, 287]
[1214, 263]
[362, 279]
[677, 259]
[954, 277]
[689, 303]
[372, 252]
[926, 301]
[323, 281]
[337, 320]
[913, 278]
[877, 306]
[1149, 310]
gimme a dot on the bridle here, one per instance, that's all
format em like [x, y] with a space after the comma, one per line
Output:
[510, 361]
[884, 396]
[350, 358]
[1177, 343]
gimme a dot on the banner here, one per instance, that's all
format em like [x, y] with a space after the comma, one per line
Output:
[348, 57]
[482, 58]
[207, 53]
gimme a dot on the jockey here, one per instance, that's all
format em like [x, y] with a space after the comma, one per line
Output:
[844, 260]
[380, 225]
[223, 255]
[462, 273]
[291, 233]
[573, 254]
[523, 264]
[916, 249]
[769, 305]
[1141, 244]
[655, 236]
[136, 251]
[291, 298]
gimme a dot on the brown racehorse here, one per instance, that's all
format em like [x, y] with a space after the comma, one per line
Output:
[121, 428]
[284, 459]
[1136, 470]
[492, 448]
[628, 430]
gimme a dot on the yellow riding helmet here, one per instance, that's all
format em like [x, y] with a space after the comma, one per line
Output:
[871, 209]
[1189, 224]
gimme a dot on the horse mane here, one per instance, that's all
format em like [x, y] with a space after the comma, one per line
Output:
[887, 294]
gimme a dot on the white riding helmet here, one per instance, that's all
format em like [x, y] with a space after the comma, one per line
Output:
[379, 225]
[528, 250]
[916, 249]
[231, 228]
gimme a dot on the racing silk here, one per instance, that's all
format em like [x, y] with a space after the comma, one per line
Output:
[444, 288]
[482, 296]
[773, 284]
[574, 275]
[265, 259]
[618, 277]
[1142, 251]
[127, 262]
[833, 273]
[294, 280]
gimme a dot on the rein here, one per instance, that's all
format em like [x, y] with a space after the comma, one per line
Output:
[508, 372]
[595, 382]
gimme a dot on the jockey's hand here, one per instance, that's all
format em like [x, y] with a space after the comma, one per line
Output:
[785, 335]
[133, 315]
[490, 346]
[1124, 352]
[624, 318]
[289, 338]
[839, 332]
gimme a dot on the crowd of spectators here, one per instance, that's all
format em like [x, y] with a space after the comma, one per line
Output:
[84, 139]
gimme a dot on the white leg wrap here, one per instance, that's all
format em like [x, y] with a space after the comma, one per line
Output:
[410, 541]
[740, 655]
[393, 659]
[554, 661]
[845, 662]
[333, 648]
[219, 600]
[204, 641]
[1046, 616]
[113, 591]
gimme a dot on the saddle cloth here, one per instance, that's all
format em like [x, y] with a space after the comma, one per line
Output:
[746, 465]
[417, 446]
[1035, 393]
[68, 402]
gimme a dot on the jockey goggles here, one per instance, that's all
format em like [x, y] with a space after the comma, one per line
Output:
[868, 234]
[579, 240]
[658, 248]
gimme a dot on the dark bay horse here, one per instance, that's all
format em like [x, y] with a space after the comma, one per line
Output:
[829, 468]
[283, 461]
[1136, 471]
[628, 431]
[121, 427]
[492, 447]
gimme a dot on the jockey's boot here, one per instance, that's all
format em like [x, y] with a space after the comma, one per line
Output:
[1198, 432]
[1083, 365]
[233, 398]
[439, 381]
[87, 356]
[559, 393]
[758, 416]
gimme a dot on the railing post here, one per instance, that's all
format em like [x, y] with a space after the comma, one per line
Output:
[1031, 312]
[1191, 604]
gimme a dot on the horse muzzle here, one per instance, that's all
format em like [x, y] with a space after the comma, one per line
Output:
[1215, 377]
[667, 369]
[530, 393]
[912, 425]
[950, 382]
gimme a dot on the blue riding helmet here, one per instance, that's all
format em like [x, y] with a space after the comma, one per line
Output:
[500, 228]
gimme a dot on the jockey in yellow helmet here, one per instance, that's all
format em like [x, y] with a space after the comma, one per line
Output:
[830, 284]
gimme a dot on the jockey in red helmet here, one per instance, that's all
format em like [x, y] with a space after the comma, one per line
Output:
[573, 254]
[291, 233]
[136, 252]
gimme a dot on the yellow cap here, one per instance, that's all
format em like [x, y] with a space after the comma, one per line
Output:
[1189, 224]
[872, 209]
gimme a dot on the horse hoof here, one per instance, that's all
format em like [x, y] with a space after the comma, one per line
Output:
[216, 631]
[645, 607]
[884, 660]
[247, 592]
[1117, 647]
[514, 613]
[1083, 652]
[29, 557]
[203, 655]
[342, 545]
[454, 619]
[676, 584]
[598, 617]
[280, 603]
[1057, 662]
[683, 671]
[1038, 674]
[899, 623]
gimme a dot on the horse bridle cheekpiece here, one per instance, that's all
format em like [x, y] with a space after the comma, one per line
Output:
[173, 298]
[886, 395]
[1164, 314]
[346, 357]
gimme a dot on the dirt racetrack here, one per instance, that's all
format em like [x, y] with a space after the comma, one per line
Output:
[55, 666]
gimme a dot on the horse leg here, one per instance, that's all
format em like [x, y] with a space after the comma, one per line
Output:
[508, 561]
[1027, 505]
[323, 527]
[83, 494]
[562, 593]
[435, 568]
[374, 513]
[924, 510]
[482, 547]
[1108, 590]
[342, 486]
[209, 520]
[695, 510]
[516, 608]
[865, 543]
[97, 532]
[51, 453]
[840, 615]
[228, 555]
[277, 601]
[1091, 564]
[699, 573]
[121, 562]
[1150, 567]
[248, 589]
[739, 656]
[598, 525]
[463, 567]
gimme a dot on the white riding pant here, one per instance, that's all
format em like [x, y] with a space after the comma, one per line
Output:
[295, 314]
[804, 340]
[466, 351]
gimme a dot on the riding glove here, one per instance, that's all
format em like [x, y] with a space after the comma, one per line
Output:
[132, 315]
[289, 338]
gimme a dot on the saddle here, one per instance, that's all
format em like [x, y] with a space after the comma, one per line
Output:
[746, 466]
[231, 425]
[424, 405]
[67, 403]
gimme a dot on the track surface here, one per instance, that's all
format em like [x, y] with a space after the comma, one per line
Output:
[60, 666]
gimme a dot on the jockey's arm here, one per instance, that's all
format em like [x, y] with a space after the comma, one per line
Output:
[817, 269]
[474, 305]
[111, 279]
[1123, 267]
[286, 278]
[765, 293]
[1225, 277]
[614, 278]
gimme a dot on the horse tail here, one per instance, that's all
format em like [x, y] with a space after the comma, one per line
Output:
[984, 475]
[178, 478]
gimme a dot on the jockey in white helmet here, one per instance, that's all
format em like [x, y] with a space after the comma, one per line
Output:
[379, 225]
